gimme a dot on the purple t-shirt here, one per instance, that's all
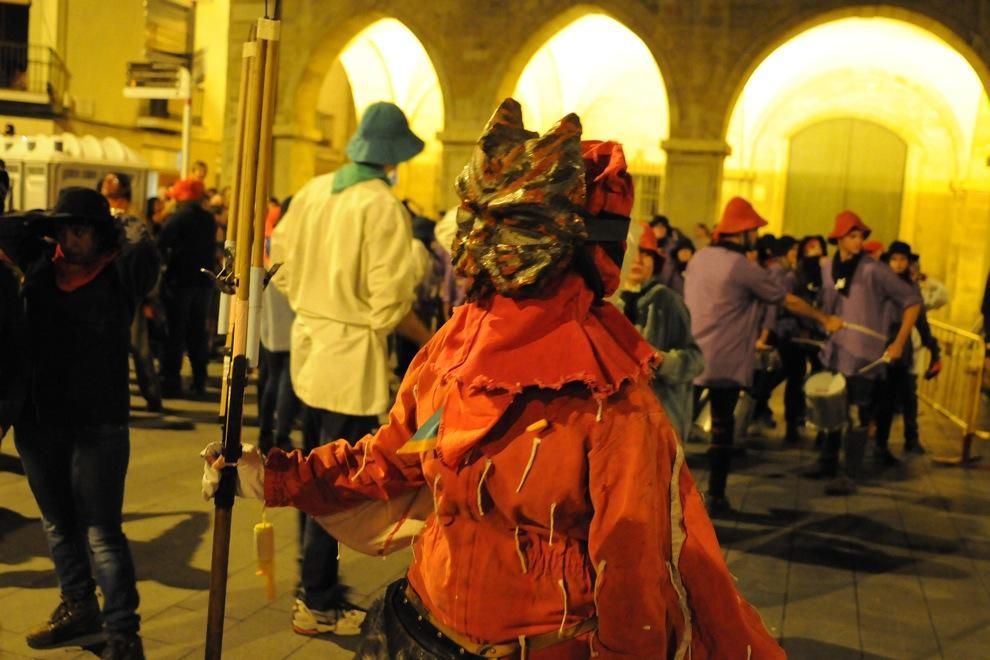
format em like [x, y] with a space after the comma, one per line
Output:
[874, 290]
[727, 294]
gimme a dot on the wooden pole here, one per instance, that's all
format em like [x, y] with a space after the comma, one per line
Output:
[254, 144]
[249, 52]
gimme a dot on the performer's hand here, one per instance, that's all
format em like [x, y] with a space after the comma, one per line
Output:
[832, 324]
[894, 351]
[250, 471]
[934, 368]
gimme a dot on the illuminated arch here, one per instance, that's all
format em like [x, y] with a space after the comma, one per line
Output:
[900, 70]
[383, 60]
[595, 66]
[801, 23]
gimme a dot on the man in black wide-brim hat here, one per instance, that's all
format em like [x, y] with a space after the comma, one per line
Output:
[72, 434]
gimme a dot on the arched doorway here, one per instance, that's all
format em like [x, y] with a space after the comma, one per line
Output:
[615, 87]
[384, 62]
[840, 164]
[834, 102]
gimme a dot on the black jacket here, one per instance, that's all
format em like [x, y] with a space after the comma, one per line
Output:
[79, 340]
[14, 361]
[187, 243]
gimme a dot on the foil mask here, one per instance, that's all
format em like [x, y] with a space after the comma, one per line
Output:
[521, 196]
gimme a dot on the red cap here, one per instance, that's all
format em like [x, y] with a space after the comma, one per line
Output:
[845, 222]
[873, 248]
[648, 240]
[607, 183]
[738, 216]
[186, 190]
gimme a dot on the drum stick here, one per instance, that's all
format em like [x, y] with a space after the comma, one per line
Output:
[864, 330]
[808, 342]
[883, 359]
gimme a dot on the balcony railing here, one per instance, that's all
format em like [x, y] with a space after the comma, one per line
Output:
[32, 74]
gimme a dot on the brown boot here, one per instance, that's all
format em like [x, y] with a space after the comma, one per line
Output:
[75, 622]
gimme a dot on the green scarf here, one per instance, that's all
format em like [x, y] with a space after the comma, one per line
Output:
[352, 173]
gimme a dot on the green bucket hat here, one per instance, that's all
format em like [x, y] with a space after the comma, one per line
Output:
[383, 137]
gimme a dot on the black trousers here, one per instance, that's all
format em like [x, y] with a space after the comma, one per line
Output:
[320, 586]
[185, 309]
[794, 360]
[861, 393]
[899, 387]
[722, 399]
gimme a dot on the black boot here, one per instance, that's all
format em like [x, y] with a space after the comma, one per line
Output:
[719, 462]
[828, 463]
[78, 622]
[792, 436]
[123, 646]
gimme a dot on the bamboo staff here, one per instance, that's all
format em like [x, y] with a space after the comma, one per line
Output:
[258, 100]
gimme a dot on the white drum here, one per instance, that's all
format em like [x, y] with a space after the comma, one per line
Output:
[827, 403]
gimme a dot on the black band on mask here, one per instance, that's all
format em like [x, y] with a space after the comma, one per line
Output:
[605, 227]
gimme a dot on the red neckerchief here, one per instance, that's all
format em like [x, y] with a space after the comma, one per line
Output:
[496, 347]
[69, 276]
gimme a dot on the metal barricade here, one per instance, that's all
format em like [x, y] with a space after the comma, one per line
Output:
[956, 392]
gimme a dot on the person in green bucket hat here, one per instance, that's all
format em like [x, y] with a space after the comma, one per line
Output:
[345, 245]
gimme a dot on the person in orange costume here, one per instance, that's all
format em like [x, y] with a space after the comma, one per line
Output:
[563, 521]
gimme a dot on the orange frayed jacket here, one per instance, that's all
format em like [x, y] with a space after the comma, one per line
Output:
[565, 501]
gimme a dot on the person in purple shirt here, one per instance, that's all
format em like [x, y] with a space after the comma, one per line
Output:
[859, 289]
[726, 294]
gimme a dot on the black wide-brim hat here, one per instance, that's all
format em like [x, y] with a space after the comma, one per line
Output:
[899, 247]
[75, 205]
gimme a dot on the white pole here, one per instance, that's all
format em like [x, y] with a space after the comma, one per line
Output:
[185, 85]
[186, 136]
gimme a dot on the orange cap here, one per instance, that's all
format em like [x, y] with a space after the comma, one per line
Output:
[186, 190]
[738, 216]
[845, 222]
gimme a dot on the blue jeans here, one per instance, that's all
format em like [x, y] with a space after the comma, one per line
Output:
[278, 406]
[320, 586]
[77, 477]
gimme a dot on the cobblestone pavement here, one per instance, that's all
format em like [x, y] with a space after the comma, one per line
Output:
[900, 570]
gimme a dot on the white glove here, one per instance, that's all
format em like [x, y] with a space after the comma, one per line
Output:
[250, 471]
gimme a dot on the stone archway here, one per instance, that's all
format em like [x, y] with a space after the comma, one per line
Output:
[356, 63]
[901, 76]
[616, 88]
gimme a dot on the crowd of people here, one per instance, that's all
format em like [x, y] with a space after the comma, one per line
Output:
[491, 389]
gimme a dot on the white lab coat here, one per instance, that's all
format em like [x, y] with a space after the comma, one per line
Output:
[347, 271]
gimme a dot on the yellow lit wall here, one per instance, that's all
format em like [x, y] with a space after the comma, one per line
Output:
[615, 87]
[212, 23]
[385, 62]
[911, 83]
[96, 40]
[96, 54]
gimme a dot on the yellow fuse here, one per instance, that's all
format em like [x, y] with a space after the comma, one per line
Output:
[264, 548]
[538, 426]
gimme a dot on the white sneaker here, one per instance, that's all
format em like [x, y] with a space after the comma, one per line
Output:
[344, 621]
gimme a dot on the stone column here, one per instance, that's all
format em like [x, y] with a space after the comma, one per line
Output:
[293, 159]
[693, 180]
[457, 145]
